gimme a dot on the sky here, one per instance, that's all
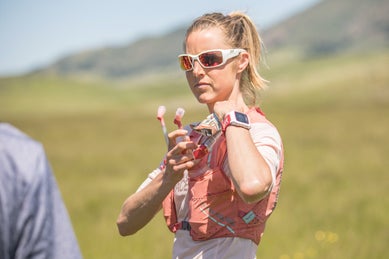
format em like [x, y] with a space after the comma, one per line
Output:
[36, 33]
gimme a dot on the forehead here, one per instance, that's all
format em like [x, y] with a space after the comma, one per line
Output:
[205, 39]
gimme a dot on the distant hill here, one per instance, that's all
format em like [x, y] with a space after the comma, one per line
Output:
[329, 27]
[147, 55]
[333, 26]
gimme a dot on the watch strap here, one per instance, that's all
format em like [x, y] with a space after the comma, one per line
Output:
[231, 119]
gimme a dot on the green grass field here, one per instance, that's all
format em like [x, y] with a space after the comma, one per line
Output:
[103, 139]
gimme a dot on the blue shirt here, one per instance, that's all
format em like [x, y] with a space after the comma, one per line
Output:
[34, 222]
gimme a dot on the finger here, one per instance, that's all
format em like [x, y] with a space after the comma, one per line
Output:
[172, 136]
[177, 133]
[184, 146]
[184, 166]
[181, 148]
[179, 159]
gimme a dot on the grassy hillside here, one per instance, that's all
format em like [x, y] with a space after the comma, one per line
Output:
[103, 139]
[331, 27]
[147, 55]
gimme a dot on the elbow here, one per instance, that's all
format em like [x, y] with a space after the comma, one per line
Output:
[124, 227]
[124, 232]
[256, 190]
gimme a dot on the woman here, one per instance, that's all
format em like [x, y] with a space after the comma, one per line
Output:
[217, 206]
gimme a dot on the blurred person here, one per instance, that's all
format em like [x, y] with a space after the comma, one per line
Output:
[34, 222]
[216, 205]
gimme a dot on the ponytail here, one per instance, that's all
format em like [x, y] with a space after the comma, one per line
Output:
[248, 38]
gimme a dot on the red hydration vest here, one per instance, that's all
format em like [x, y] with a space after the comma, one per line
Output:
[215, 208]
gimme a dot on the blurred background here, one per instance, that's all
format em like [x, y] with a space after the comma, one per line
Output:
[85, 78]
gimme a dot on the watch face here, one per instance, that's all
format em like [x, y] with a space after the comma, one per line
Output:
[241, 117]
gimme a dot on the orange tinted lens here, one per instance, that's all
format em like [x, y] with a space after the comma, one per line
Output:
[211, 59]
[185, 62]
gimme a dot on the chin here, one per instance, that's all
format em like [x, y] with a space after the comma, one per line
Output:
[204, 99]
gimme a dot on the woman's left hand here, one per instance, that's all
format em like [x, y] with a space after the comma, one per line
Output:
[224, 107]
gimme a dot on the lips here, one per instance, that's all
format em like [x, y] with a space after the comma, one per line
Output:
[201, 84]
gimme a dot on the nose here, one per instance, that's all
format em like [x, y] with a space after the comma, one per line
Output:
[197, 68]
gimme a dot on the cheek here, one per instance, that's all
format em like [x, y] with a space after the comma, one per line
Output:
[188, 76]
[224, 80]
[189, 79]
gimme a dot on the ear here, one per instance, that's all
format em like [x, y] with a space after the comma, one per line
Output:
[243, 61]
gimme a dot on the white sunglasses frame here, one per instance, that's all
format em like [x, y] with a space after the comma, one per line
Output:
[226, 55]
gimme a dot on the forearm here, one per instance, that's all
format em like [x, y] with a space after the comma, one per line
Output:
[249, 171]
[140, 207]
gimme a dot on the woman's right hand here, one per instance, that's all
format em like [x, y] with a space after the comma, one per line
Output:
[180, 155]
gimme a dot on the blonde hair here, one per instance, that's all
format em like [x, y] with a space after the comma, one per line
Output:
[240, 32]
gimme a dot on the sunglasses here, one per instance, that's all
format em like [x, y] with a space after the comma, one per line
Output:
[209, 58]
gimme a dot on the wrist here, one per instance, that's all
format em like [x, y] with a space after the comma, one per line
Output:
[236, 119]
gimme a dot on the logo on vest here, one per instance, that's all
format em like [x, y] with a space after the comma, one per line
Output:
[218, 217]
[249, 217]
